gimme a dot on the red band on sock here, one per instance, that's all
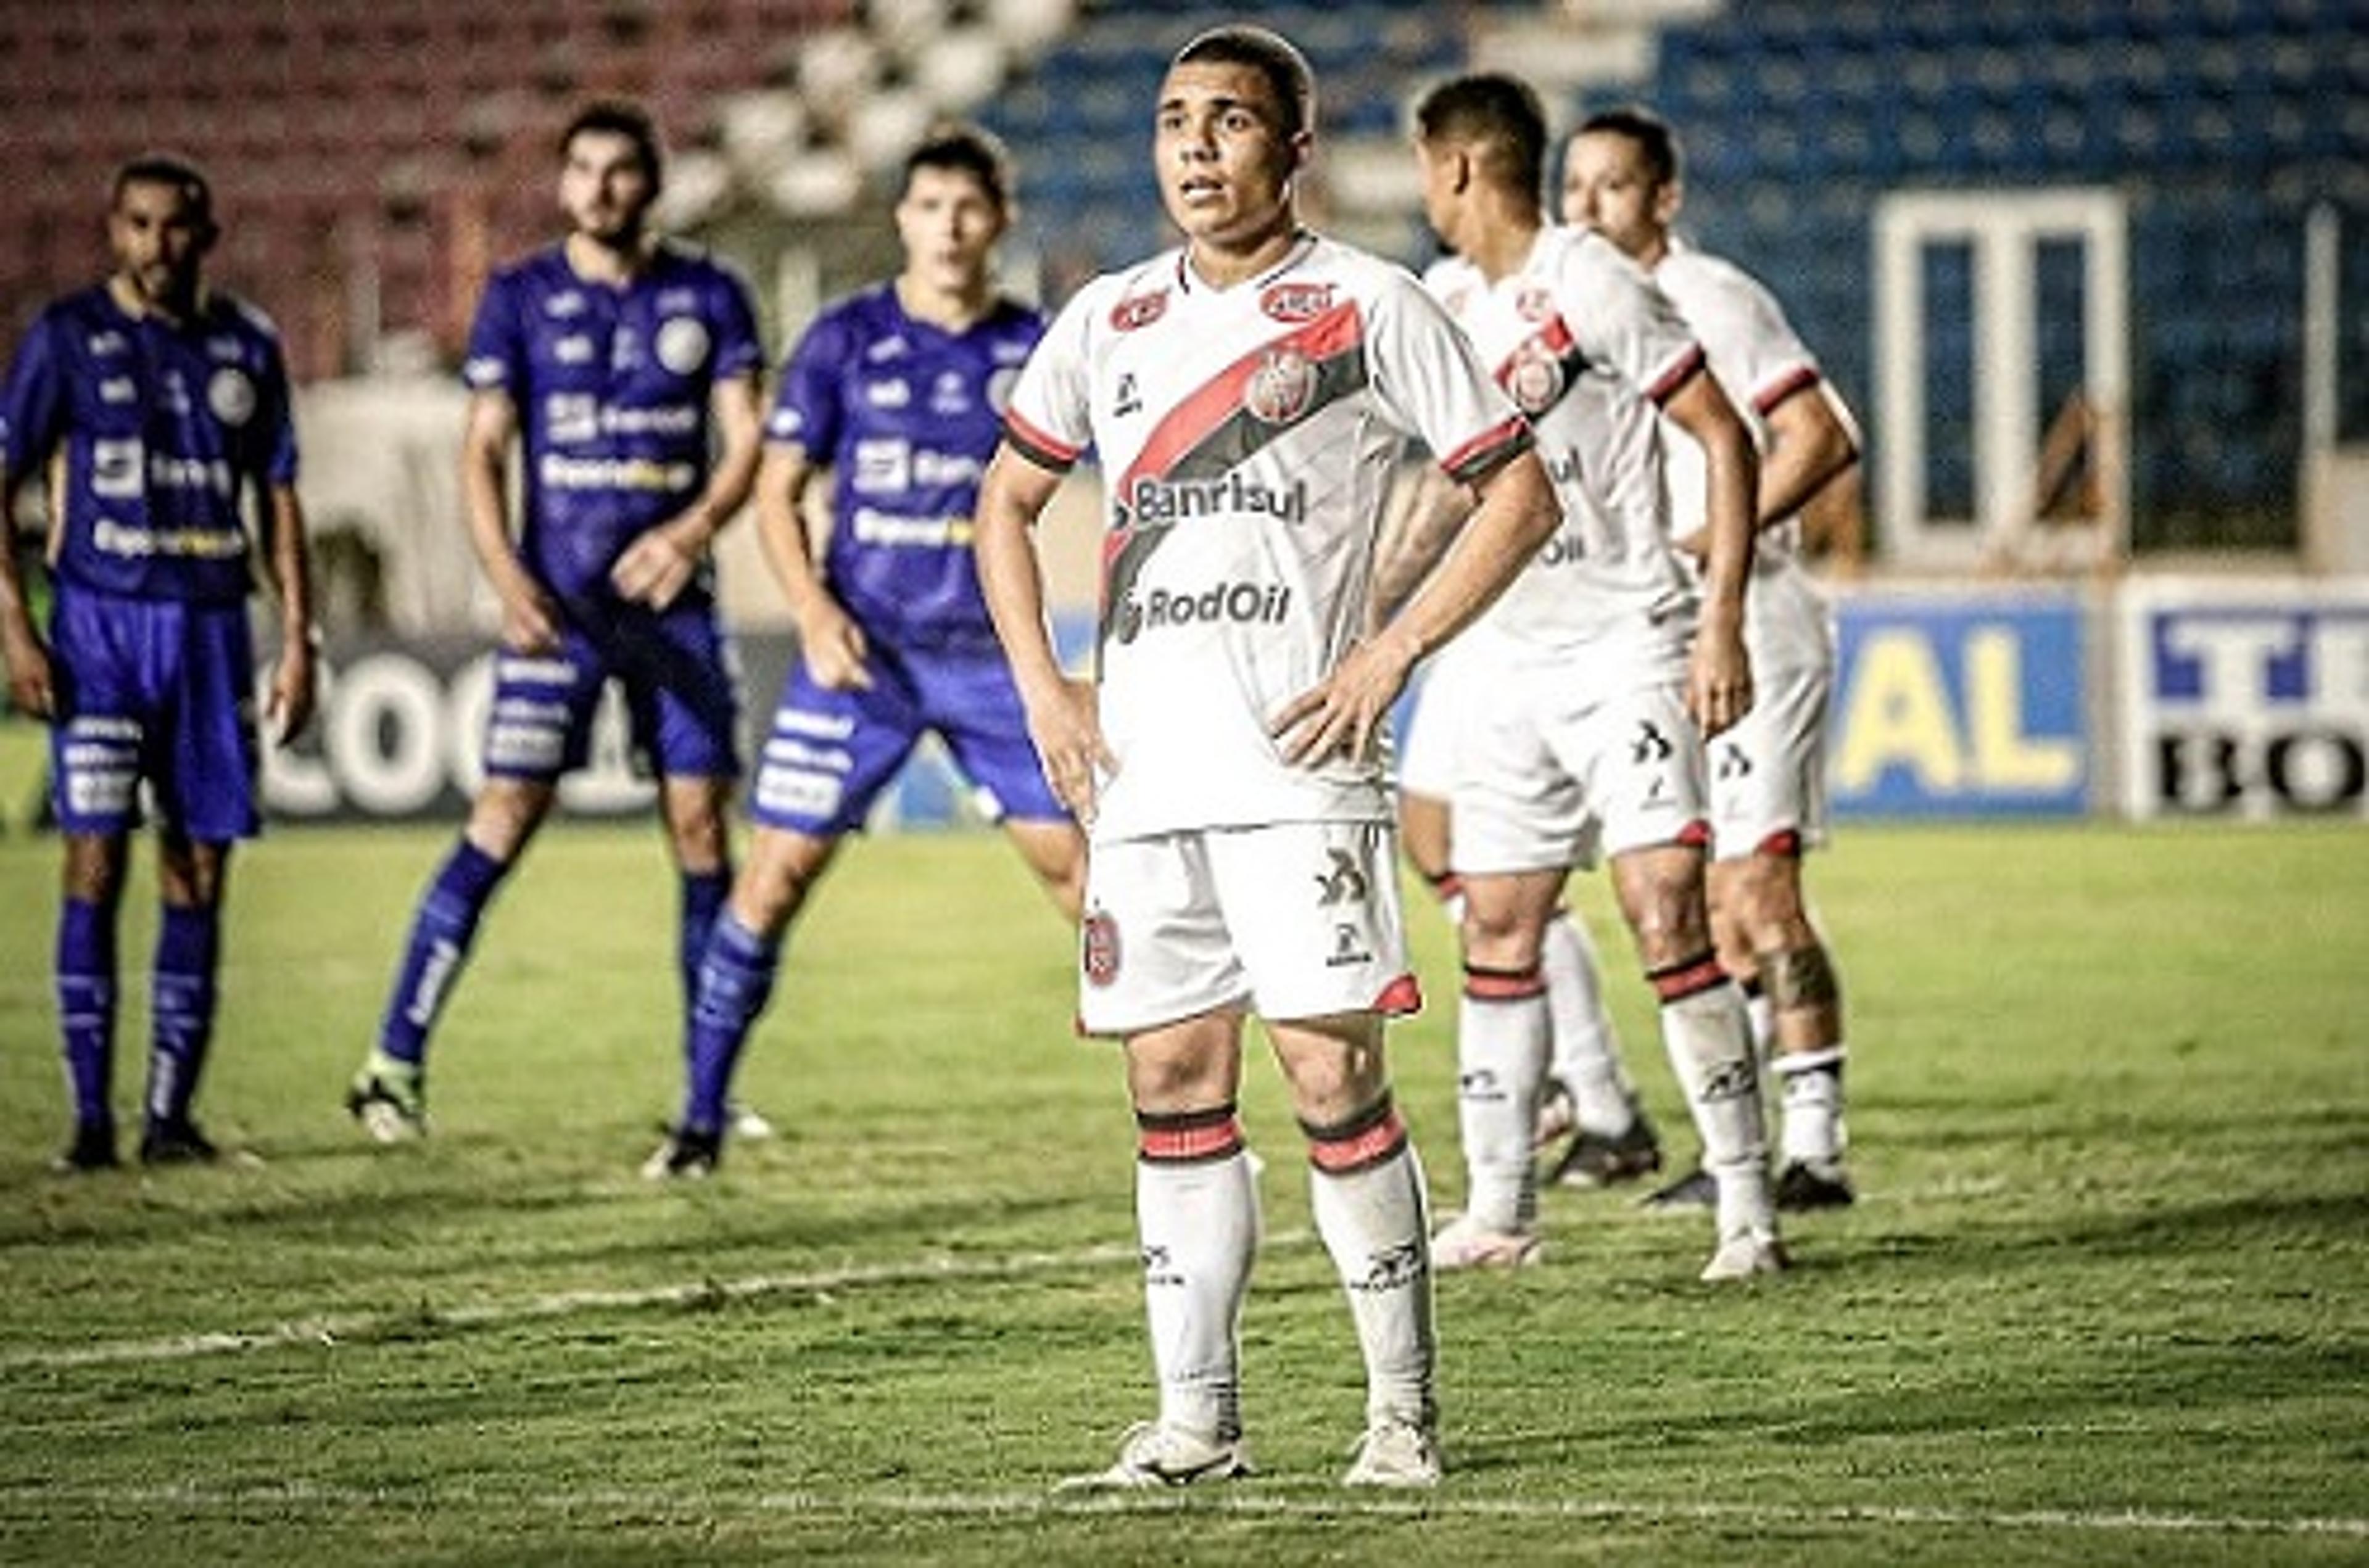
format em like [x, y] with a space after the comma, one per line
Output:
[1358, 1150]
[1691, 977]
[1191, 1144]
[1505, 985]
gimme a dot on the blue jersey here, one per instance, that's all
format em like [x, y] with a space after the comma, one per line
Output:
[906, 416]
[611, 390]
[165, 429]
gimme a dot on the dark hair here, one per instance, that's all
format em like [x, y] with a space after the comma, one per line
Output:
[967, 149]
[1271, 55]
[1500, 113]
[1649, 130]
[621, 116]
[173, 171]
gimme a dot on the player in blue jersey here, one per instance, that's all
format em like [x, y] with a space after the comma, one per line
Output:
[898, 391]
[158, 406]
[625, 367]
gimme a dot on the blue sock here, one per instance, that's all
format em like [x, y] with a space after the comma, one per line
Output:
[735, 977]
[189, 951]
[703, 896]
[87, 1005]
[440, 937]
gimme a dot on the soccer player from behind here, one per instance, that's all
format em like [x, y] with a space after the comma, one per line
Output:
[897, 391]
[1589, 738]
[614, 359]
[159, 408]
[1621, 177]
[1247, 395]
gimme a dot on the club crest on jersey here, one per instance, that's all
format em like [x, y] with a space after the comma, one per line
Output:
[1534, 379]
[1281, 389]
[682, 344]
[231, 394]
[1296, 302]
[1141, 311]
[1098, 948]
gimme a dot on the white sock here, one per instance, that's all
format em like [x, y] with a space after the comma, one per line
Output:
[1198, 1222]
[1710, 1043]
[1812, 1102]
[1373, 1213]
[1500, 1062]
[1586, 1050]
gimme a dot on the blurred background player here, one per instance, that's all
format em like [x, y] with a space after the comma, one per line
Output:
[1587, 1096]
[624, 368]
[157, 405]
[1246, 396]
[1607, 673]
[897, 391]
[1621, 177]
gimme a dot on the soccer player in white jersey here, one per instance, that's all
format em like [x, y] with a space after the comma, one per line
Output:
[1247, 395]
[1621, 178]
[1607, 674]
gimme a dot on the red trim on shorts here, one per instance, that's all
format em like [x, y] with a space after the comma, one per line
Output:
[1446, 885]
[1505, 985]
[1360, 1149]
[1694, 835]
[1690, 978]
[1785, 844]
[1400, 997]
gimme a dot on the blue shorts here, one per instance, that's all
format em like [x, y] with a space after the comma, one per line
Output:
[158, 690]
[830, 754]
[677, 671]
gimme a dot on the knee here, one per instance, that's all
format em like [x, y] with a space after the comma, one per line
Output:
[1498, 936]
[1761, 893]
[1668, 918]
[505, 814]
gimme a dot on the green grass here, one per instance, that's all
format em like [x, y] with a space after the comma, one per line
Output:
[2104, 1300]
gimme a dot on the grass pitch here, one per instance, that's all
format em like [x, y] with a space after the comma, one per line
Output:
[2103, 1300]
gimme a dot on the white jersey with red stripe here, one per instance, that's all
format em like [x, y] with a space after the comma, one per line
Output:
[1588, 348]
[1760, 362]
[1247, 437]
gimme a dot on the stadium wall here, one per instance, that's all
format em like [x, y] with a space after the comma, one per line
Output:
[2150, 698]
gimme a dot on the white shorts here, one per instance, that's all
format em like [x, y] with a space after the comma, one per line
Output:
[1554, 775]
[1433, 748]
[1299, 920]
[1769, 772]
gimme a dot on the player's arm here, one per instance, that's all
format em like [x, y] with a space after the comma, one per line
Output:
[31, 686]
[290, 708]
[1809, 449]
[1719, 675]
[1516, 513]
[1062, 720]
[829, 642]
[530, 622]
[1431, 508]
[660, 563]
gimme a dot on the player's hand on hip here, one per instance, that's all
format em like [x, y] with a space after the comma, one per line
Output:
[32, 682]
[1343, 715]
[836, 652]
[654, 570]
[1719, 683]
[1066, 726]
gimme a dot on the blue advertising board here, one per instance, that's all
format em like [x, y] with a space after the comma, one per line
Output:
[1961, 705]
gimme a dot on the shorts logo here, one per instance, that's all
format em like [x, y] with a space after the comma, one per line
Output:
[1651, 745]
[1281, 388]
[1733, 763]
[1296, 302]
[231, 396]
[682, 344]
[1349, 948]
[1343, 884]
[1534, 380]
[1098, 948]
[1133, 314]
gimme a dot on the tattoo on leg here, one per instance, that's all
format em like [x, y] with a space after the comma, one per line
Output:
[1800, 978]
